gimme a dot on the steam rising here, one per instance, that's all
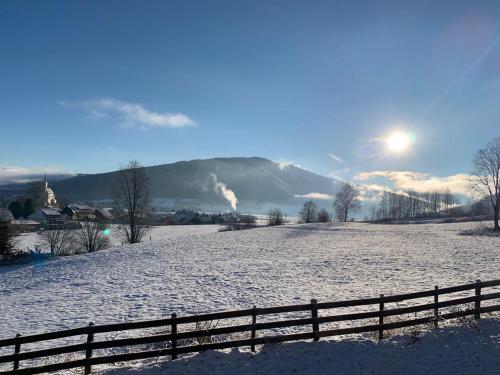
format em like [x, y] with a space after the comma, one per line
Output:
[222, 189]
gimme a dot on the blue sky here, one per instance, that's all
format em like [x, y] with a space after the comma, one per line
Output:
[87, 85]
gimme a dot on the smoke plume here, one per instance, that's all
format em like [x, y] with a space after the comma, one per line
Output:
[222, 189]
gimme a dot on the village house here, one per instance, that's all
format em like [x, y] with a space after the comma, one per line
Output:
[50, 216]
[104, 214]
[75, 212]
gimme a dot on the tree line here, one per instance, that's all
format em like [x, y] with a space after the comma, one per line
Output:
[413, 204]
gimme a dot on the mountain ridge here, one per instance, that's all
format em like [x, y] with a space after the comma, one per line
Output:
[255, 181]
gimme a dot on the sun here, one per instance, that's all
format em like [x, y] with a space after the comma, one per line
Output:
[398, 142]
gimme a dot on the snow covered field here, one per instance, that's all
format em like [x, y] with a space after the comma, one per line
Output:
[191, 271]
[28, 240]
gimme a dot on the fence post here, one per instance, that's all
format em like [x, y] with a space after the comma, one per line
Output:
[88, 352]
[254, 321]
[436, 309]
[17, 350]
[477, 303]
[174, 336]
[381, 318]
[314, 315]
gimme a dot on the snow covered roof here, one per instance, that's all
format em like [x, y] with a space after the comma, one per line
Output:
[45, 212]
[50, 211]
[79, 207]
[105, 212]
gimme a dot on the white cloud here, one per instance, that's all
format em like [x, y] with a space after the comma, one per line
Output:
[130, 114]
[322, 196]
[336, 158]
[457, 183]
[282, 164]
[11, 174]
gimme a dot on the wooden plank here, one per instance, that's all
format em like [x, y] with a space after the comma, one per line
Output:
[393, 312]
[283, 309]
[488, 296]
[489, 309]
[347, 303]
[45, 352]
[408, 296]
[346, 317]
[131, 325]
[44, 336]
[458, 288]
[490, 283]
[214, 316]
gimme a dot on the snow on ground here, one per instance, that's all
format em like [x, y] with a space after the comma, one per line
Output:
[453, 350]
[270, 266]
[30, 239]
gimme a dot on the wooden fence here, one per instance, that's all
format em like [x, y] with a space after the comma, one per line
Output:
[178, 341]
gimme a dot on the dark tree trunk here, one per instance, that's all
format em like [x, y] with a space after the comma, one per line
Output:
[496, 211]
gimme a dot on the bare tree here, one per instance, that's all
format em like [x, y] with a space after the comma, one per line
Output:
[92, 236]
[346, 200]
[485, 176]
[324, 216]
[132, 199]
[58, 238]
[308, 214]
[275, 217]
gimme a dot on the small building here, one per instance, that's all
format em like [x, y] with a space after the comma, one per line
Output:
[6, 215]
[104, 214]
[48, 215]
[76, 212]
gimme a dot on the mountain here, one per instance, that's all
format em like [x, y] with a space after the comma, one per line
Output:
[257, 183]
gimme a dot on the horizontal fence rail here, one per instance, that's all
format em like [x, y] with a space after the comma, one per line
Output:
[178, 341]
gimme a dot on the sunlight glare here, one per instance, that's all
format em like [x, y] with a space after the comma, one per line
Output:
[399, 142]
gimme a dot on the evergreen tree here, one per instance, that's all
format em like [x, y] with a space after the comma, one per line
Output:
[28, 208]
[5, 238]
[17, 209]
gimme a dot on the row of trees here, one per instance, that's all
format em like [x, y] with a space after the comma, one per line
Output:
[21, 208]
[411, 204]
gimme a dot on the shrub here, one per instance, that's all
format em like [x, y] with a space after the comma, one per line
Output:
[324, 216]
[275, 217]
